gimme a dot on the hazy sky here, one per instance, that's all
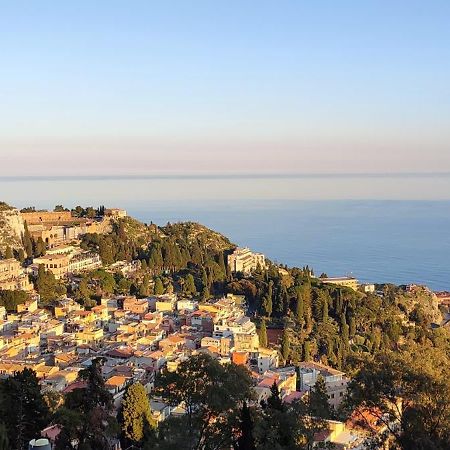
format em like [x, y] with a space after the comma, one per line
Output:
[138, 87]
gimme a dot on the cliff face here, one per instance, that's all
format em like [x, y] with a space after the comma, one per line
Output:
[11, 227]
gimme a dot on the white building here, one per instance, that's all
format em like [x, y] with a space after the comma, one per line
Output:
[244, 260]
[335, 380]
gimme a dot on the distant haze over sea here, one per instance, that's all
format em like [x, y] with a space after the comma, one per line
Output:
[380, 228]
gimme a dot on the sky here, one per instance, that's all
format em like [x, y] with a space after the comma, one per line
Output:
[214, 87]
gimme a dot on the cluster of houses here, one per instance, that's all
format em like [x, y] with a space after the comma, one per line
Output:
[139, 337]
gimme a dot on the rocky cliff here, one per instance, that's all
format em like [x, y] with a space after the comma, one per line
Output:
[11, 227]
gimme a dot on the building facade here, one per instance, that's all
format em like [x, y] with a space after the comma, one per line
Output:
[245, 261]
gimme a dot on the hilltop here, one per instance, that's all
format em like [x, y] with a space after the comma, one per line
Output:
[195, 232]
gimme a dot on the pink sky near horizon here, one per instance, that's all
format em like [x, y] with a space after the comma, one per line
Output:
[149, 156]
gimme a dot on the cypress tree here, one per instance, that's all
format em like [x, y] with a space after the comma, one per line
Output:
[189, 285]
[352, 330]
[274, 401]
[21, 255]
[285, 300]
[325, 310]
[144, 289]
[319, 405]
[159, 288]
[307, 306]
[135, 413]
[27, 241]
[4, 441]
[267, 306]
[246, 440]
[307, 351]
[205, 279]
[9, 253]
[300, 306]
[285, 345]
[263, 334]
[40, 247]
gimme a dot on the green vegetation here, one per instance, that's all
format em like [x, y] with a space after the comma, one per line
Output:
[48, 287]
[10, 299]
[384, 342]
[5, 207]
[85, 419]
[408, 391]
[210, 393]
[23, 409]
[135, 415]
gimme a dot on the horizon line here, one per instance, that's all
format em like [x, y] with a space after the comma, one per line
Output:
[226, 175]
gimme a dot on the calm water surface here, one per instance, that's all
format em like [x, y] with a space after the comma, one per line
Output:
[402, 237]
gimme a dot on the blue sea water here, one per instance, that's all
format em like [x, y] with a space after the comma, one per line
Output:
[386, 240]
[376, 241]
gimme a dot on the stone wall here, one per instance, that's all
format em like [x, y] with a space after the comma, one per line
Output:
[47, 217]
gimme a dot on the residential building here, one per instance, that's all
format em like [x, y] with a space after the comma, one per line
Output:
[13, 276]
[335, 380]
[57, 264]
[84, 261]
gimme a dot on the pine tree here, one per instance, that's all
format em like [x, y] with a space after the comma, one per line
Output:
[263, 334]
[246, 440]
[135, 413]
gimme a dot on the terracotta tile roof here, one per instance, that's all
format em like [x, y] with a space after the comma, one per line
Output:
[75, 385]
[268, 382]
[117, 380]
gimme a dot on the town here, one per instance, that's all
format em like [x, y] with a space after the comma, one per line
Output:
[137, 337]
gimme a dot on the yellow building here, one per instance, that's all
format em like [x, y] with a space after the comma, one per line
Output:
[246, 342]
[57, 264]
[12, 276]
[89, 336]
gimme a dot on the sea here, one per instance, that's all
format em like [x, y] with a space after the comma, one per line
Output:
[388, 228]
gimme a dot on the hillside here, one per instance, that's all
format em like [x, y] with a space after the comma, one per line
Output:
[192, 232]
[11, 227]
